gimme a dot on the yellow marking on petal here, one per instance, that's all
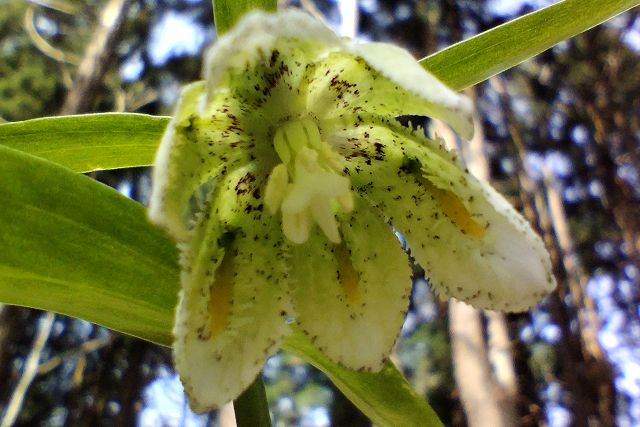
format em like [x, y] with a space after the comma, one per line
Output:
[458, 213]
[347, 274]
[220, 296]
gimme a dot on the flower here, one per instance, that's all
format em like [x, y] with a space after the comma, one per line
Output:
[280, 176]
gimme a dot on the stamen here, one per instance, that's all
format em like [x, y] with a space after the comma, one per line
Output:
[276, 188]
[308, 186]
[282, 149]
[325, 218]
[295, 135]
[296, 226]
[312, 133]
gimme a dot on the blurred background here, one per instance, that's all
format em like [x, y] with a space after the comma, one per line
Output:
[559, 135]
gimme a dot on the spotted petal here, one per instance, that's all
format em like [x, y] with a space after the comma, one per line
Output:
[227, 120]
[340, 291]
[264, 63]
[196, 147]
[292, 59]
[473, 245]
[382, 79]
[230, 315]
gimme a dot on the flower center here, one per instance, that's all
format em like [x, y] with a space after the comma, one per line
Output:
[308, 186]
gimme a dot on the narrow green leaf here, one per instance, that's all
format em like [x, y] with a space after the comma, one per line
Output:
[385, 397]
[88, 142]
[227, 12]
[74, 246]
[476, 59]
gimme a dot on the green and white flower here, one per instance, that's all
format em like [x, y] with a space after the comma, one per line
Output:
[280, 177]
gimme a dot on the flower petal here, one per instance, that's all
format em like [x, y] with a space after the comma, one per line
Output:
[264, 60]
[383, 79]
[195, 148]
[292, 59]
[351, 298]
[473, 245]
[253, 78]
[230, 315]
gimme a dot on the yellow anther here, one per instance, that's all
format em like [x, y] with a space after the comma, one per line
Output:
[281, 146]
[295, 135]
[276, 188]
[313, 133]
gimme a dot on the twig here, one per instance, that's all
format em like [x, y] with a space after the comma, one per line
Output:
[42, 45]
[97, 57]
[30, 370]
[58, 5]
[84, 348]
[227, 416]
[483, 396]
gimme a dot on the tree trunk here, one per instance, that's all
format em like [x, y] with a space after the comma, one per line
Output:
[97, 57]
[483, 370]
[583, 368]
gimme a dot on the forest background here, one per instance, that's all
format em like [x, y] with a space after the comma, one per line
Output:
[559, 135]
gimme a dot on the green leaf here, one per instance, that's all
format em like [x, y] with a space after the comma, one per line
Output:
[227, 12]
[88, 142]
[476, 59]
[76, 247]
[72, 245]
[385, 397]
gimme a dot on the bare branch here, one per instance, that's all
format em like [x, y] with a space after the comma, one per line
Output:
[42, 44]
[30, 370]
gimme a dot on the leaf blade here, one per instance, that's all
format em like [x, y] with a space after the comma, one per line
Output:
[385, 396]
[89, 142]
[49, 219]
[478, 58]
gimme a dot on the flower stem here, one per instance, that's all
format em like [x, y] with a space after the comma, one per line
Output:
[227, 12]
[251, 407]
